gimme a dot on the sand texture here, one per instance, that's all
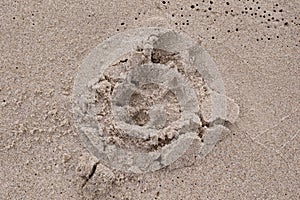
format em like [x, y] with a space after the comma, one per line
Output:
[53, 100]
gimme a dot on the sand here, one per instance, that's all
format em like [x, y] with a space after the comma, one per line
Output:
[255, 46]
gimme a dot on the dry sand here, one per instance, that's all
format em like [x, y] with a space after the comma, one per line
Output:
[255, 45]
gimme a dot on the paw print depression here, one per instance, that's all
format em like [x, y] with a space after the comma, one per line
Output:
[143, 96]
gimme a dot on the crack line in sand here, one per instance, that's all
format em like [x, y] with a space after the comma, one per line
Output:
[92, 172]
[275, 126]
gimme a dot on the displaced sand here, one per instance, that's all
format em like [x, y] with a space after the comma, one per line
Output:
[254, 44]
